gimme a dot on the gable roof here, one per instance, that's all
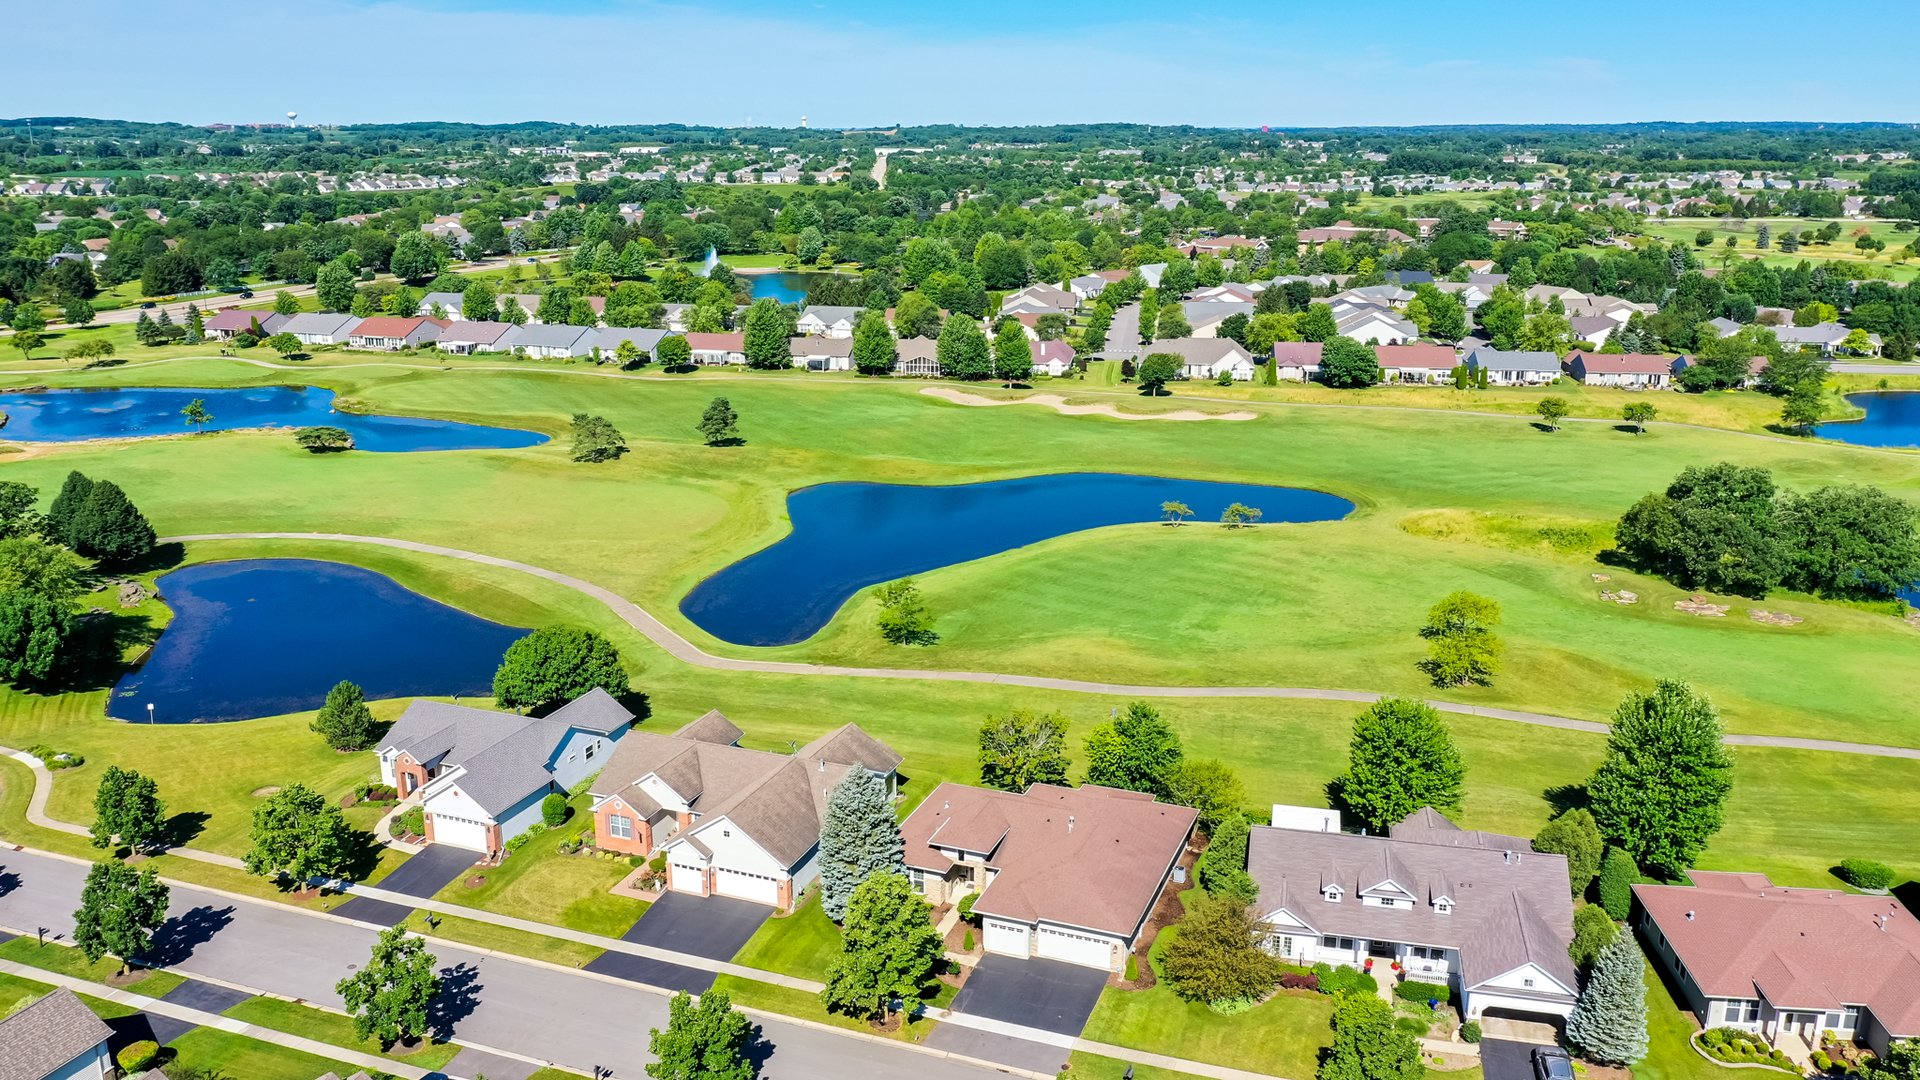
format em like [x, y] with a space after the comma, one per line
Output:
[832, 313]
[239, 319]
[717, 342]
[1196, 350]
[820, 346]
[505, 756]
[1425, 357]
[849, 745]
[551, 336]
[319, 322]
[1618, 364]
[1297, 353]
[644, 339]
[918, 348]
[1487, 356]
[713, 727]
[390, 326]
[476, 331]
[45, 1036]
[1044, 351]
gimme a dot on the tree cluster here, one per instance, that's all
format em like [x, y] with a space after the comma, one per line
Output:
[96, 519]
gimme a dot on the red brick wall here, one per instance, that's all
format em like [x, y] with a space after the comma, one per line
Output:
[403, 767]
[603, 837]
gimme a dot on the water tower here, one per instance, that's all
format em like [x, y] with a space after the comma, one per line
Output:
[290, 119]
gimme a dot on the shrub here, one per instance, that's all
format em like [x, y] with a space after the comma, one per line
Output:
[553, 810]
[966, 945]
[245, 341]
[965, 906]
[1821, 1061]
[658, 864]
[636, 861]
[1335, 979]
[1422, 992]
[136, 1057]
[1470, 1031]
[1866, 874]
[413, 822]
[1133, 962]
[1617, 872]
[526, 838]
[56, 760]
[1412, 1025]
[1291, 981]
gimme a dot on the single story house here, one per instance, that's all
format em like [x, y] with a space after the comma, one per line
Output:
[1469, 293]
[1479, 911]
[1231, 293]
[1786, 963]
[468, 336]
[320, 327]
[56, 1038]
[1826, 337]
[527, 302]
[232, 322]
[1038, 298]
[450, 303]
[1635, 371]
[542, 340]
[610, 337]
[481, 775]
[1392, 296]
[1150, 273]
[1596, 329]
[1723, 326]
[917, 356]
[1514, 367]
[1064, 873]
[1347, 232]
[1296, 360]
[822, 353]
[1088, 286]
[389, 332]
[1053, 357]
[718, 348]
[1205, 316]
[821, 320]
[1417, 363]
[1374, 323]
[732, 821]
[1206, 358]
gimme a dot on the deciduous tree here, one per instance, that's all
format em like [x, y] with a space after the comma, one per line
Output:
[1400, 758]
[1157, 370]
[1552, 410]
[1135, 751]
[127, 808]
[873, 347]
[1012, 357]
[1215, 955]
[1461, 645]
[764, 331]
[120, 908]
[322, 438]
[596, 439]
[1574, 835]
[1366, 1043]
[554, 665]
[1593, 928]
[889, 949]
[904, 618]
[1023, 748]
[389, 996]
[1661, 789]
[1346, 364]
[962, 350]
[1209, 786]
[296, 831]
[33, 636]
[702, 1041]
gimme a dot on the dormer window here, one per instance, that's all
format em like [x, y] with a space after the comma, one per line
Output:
[1443, 906]
[1388, 901]
[1332, 893]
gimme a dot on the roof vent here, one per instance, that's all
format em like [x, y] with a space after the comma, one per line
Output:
[1507, 857]
[823, 764]
[1689, 916]
[1069, 824]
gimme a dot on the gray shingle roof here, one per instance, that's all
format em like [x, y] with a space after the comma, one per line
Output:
[44, 1037]
[320, 322]
[506, 757]
[647, 340]
[830, 314]
[849, 745]
[548, 335]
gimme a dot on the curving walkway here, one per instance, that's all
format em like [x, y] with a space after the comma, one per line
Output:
[685, 651]
[43, 789]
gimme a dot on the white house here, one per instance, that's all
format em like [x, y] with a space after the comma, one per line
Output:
[1633, 371]
[1373, 323]
[821, 320]
[321, 328]
[1514, 368]
[481, 775]
[1298, 361]
[1206, 358]
[822, 353]
[1053, 357]
[718, 348]
[56, 1038]
[547, 340]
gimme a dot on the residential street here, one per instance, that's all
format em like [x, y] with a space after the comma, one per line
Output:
[573, 1020]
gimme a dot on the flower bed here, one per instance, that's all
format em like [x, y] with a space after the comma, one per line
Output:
[1731, 1046]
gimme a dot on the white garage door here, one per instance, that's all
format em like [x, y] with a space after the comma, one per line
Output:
[756, 887]
[459, 832]
[689, 879]
[1073, 948]
[1009, 939]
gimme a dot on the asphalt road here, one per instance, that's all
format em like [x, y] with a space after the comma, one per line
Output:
[524, 1008]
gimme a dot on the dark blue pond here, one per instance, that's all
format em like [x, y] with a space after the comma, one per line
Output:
[1893, 419]
[263, 637]
[72, 415]
[849, 536]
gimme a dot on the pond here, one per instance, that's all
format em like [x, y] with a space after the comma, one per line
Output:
[1893, 419]
[72, 415]
[264, 637]
[786, 287]
[848, 536]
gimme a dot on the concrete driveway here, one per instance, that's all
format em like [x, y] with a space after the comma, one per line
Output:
[715, 927]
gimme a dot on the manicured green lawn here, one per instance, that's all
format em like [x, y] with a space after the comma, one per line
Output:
[71, 962]
[327, 1027]
[239, 1056]
[1669, 1057]
[798, 1003]
[1094, 1067]
[539, 883]
[504, 939]
[803, 943]
[14, 990]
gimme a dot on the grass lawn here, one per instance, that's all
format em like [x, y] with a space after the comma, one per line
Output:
[312, 1023]
[69, 961]
[755, 261]
[15, 990]
[239, 1056]
[1087, 1066]
[1669, 1027]
[539, 883]
[504, 939]
[801, 944]
[798, 1003]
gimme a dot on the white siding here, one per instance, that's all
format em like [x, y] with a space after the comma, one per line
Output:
[1010, 939]
[732, 847]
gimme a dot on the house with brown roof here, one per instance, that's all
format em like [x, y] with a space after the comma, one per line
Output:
[1788, 963]
[917, 356]
[1296, 360]
[1053, 357]
[232, 322]
[718, 348]
[390, 332]
[1633, 371]
[1206, 357]
[55, 1038]
[1062, 873]
[1477, 910]
[1416, 363]
[732, 821]
[1347, 232]
[822, 353]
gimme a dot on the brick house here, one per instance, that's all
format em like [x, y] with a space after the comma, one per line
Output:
[232, 322]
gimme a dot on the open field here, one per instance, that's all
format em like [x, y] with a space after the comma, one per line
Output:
[1744, 230]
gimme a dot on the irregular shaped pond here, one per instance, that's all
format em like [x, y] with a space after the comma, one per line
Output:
[72, 415]
[1893, 419]
[263, 637]
[849, 536]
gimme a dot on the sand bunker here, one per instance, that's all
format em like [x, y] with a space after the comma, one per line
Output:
[961, 397]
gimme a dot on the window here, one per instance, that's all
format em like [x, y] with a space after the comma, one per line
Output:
[1388, 901]
[1443, 907]
[918, 877]
[1286, 946]
[1422, 952]
[1831, 1021]
[1333, 894]
[1743, 1012]
[1528, 983]
[726, 832]
[590, 749]
[620, 826]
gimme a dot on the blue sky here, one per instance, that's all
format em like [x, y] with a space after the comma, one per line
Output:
[862, 63]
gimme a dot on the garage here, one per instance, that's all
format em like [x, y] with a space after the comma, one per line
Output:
[690, 879]
[460, 832]
[1007, 938]
[1074, 948]
[759, 888]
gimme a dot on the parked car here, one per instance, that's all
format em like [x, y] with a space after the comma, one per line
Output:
[149, 304]
[1551, 1063]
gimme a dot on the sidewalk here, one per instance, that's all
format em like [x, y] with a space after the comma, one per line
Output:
[37, 813]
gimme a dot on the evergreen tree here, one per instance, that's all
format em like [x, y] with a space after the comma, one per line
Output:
[1222, 868]
[66, 507]
[388, 998]
[1574, 835]
[1401, 757]
[595, 438]
[1617, 872]
[1661, 790]
[34, 631]
[719, 424]
[889, 948]
[1609, 1022]
[345, 721]
[127, 806]
[1134, 751]
[109, 527]
[873, 348]
[1593, 928]
[1367, 1045]
[1012, 357]
[704, 1041]
[145, 332]
[120, 908]
[859, 837]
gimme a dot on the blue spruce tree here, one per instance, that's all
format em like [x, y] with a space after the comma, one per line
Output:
[1610, 1021]
[858, 838]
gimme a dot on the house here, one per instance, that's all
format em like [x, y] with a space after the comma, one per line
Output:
[732, 821]
[1407, 279]
[1392, 296]
[1514, 368]
[1205, 316]
[1038, 299]
[1053, 357]
[481, 775]
[1724, 326]
[1786, 963]
[1297, 360]
[450, 303]
[1469, 293]
[718, 348]
[917, 356]
[822, 353]
[389, 332]
[56, 1038]
[528, 302]
[542, 340]
[1063, 873]
[828, 321]
[320, 327]
[1507, 230]
[1223, 246]
[1347, 232]
[467, 336]
[1479, 911]
[1594, 329]
[609, 339]
[232, 322]
[1634, 371]
[1089, 286]
[1229, 293]
[1150, 273]
[1417, 363]
[1207, 358]
[1368, 322]
[1826, 337]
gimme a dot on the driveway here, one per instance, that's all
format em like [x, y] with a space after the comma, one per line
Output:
[421, 875]
[1503, 1060]
[715, 927]
[1051, 995]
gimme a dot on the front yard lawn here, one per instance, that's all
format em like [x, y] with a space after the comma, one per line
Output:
[1669, 1028]
[70, 961]
[539, 883]
[1094, 1067]
[801, 944]
[309, 1022]
[504, 939]
[798, 1003]
[236, 1055]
